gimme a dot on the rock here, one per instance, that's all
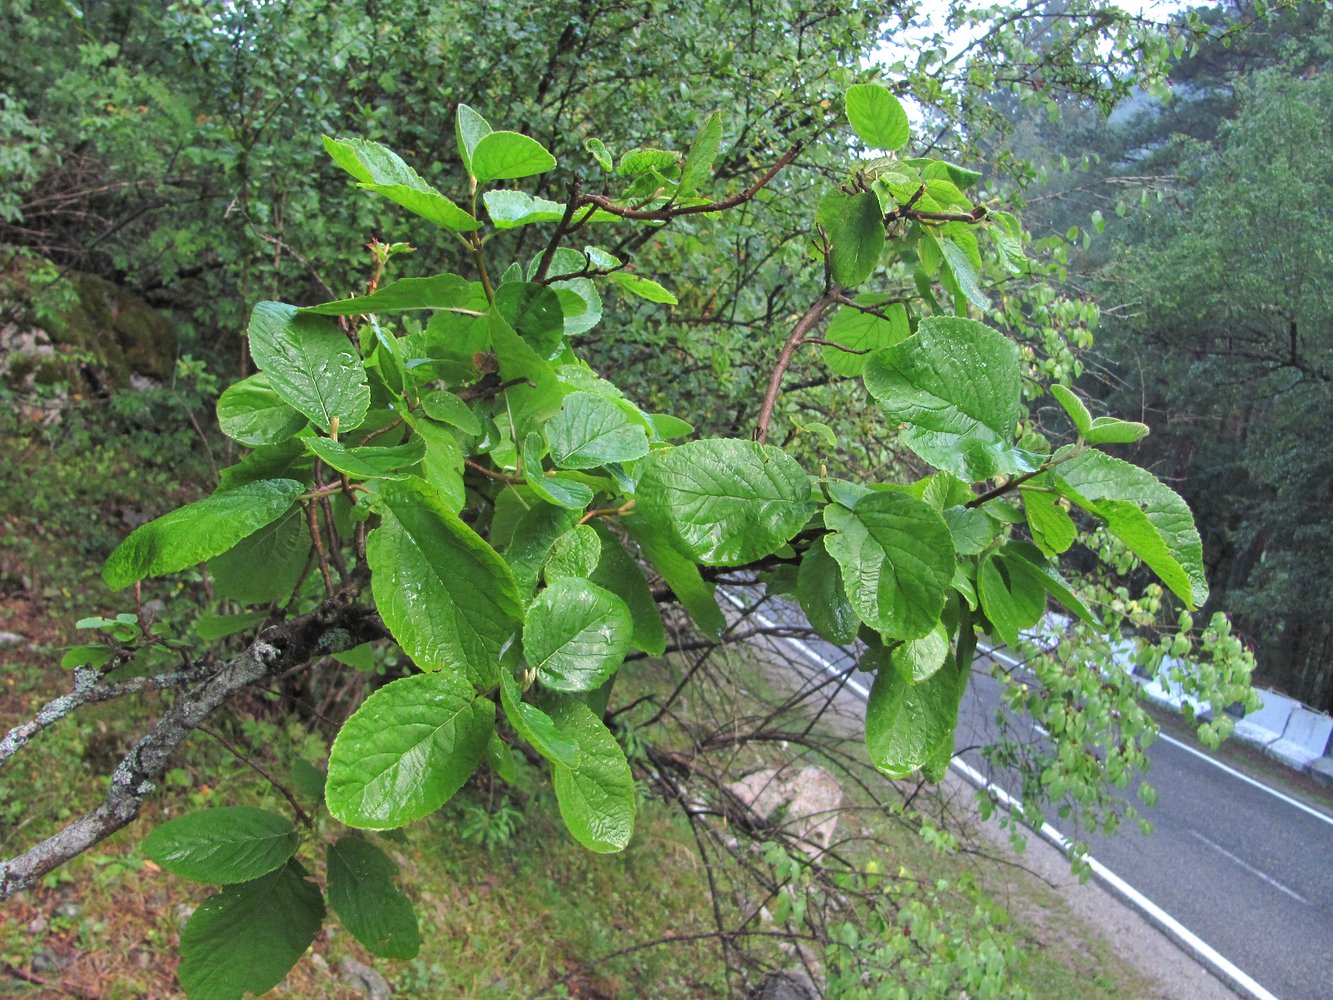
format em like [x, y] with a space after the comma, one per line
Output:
[37, 924]
[365, 979]
[807, 800]
[69, 910]
[11, 638]
[45, 961]
[794, 985]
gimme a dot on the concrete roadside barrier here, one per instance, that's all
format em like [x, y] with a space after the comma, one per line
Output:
[1304, 739]
[1267, 724]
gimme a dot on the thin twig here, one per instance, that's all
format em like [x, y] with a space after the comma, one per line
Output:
[803, 327]
[302, 816]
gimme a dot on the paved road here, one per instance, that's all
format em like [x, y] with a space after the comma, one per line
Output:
[1247, 870]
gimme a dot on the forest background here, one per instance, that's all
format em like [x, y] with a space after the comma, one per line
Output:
[161, 173]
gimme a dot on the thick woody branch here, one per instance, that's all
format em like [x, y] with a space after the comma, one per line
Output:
[797, 337]
[336, 625]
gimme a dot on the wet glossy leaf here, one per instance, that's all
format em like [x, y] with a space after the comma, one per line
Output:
[223, 845]
[369, 905]
[596, 795]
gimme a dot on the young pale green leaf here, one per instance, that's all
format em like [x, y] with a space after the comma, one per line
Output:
[823, 598]
[576, 635]
[972, 529]
[506, 156]
[668, 428]
[246, 938]
[728, 501]
[877, 116]
[600, 153]
[281, 547]
[86, 654]
[198, 531]
[251, 413]
[1165, 537]
[860, 331]
[1078, 413]
[918, 659]
[641, 161]
[964, 272]
[574, 554]
[370, 906]
[956, 385]
[555, 489]
[444, 593]
[596, 795]
[698, 163]
[310, 364]
[442, 466]
[222, 846]
[579, 298]
[908, 724]
[384, 172]
[408, 748]
[618, 573]
[439, 291]
[369, 462]
[644, 288]
[897, 561]
[536, 726]
[591, 430]
[470, 128]
[696, 595]
[854, 225]
[511, 209]
[1111, 430]
[1052, 528]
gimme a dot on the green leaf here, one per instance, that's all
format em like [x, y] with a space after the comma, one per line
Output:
[877, 116]
[972, 530]
[907, 724]
[443, 592]
[1110, 430]
[596, 795]
[280, 547]
[575, 553]
[668, 428]
[250, 412]
[576, 635]
[897, 562]
[1052, 528]
[439, 291]
[823, 598]
[198, 531]
[591, 430]
[409, 747]
[644, 288]
[1012, 600]
[246, 938]
[863, 331]
[854, 225]
[618, 573]
[599, 153]
[531, 543]
[536, 726]
[222, 846]
[918, 659]
[511, 209]
[470, 128]
[310, 364]
[559, 490]
[1163, 535]
[210, 628]
[729, 502]
[681, 574]
[1023, 558]
[370, 906]
[533, 311]
[539, 396]
[956, 383]
[384, 172]
[450, 409]
[964, 273]
[442, 467]
[641, 161]
[1078, 413]
[504, 156]
[698, 162]
[87, 654]
[501, 760]
[369, 462]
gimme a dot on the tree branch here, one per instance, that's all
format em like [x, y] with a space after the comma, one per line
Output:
[798, 333]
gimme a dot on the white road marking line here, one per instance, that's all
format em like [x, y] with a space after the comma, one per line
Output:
[1173, 927]
[1251, 869]
[1008, 660]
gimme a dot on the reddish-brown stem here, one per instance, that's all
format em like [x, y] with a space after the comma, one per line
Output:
[490, 474]
[803, 326]
[316, 538]
[624, 508]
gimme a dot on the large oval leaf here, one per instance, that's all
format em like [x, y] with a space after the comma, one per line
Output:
[381, 170]
[591, 430]
[437, 291]
[222, 846]
[857, 330]
[729, 502]
[251, 412]
[370, 461]
[408, 748]
[536, 726]
[362, 893]
[897, 561]
[247, 937]
[854, 225]
[198, 531]
[596, 795]
[956, 385]
[576, 635]
[908, 725]
[823, 598]
[310, 364]
[503, 156]
[877, 116]
[444, 593]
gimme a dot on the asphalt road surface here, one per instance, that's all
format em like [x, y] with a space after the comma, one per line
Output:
[1241, 874]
